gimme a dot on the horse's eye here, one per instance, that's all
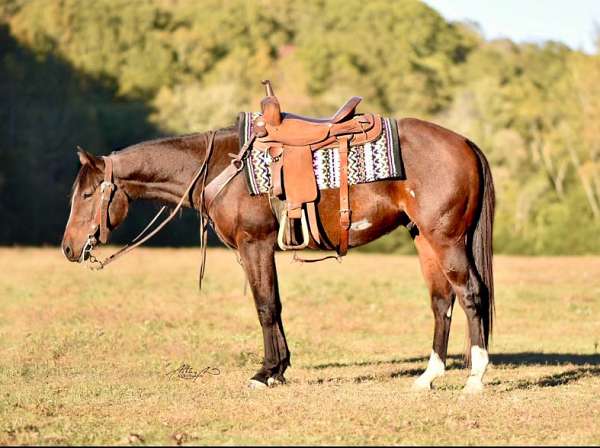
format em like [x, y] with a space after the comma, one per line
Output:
[87, 194]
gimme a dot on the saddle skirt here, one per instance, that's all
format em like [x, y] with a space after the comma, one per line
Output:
[369, 161]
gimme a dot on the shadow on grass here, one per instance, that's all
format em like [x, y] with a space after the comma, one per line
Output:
[544, 359]
[554, 380]
[366, 378]
[514, 360]
[333, 365]
[499, 359]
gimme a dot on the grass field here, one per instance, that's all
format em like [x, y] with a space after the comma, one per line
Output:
[85, 357]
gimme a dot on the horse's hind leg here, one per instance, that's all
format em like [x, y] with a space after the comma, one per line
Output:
[442, 301]
[468, 288]
[258, 259]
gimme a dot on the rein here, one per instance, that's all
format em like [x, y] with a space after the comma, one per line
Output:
[108, 187]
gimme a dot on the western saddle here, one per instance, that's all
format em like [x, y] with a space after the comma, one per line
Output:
[290, 141]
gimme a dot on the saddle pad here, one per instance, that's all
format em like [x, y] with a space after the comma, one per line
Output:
[377, 160]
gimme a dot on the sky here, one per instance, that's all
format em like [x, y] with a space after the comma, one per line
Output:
[568, 21]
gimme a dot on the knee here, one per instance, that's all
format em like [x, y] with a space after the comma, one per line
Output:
[441, 306]
[267, 314]
[474, 291]
[470, 300]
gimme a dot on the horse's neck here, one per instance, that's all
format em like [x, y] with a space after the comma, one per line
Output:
[162, 170]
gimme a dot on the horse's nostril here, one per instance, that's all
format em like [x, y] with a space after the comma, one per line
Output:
[68, 251]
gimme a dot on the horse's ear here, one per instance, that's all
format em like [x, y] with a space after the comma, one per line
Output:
[89, 159]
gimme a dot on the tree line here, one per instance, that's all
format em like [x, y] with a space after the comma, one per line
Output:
[107, 73]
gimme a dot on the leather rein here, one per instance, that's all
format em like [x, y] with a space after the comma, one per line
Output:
[108, 187]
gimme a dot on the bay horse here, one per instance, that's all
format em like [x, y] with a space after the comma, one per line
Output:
[447, 200]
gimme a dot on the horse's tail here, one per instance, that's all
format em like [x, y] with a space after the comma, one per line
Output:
[480, 246]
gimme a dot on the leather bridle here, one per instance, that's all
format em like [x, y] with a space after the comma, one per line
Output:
[108, 187]
[208, 194]
[101, 218]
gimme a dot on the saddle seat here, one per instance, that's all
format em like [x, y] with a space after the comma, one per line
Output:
[347, 111]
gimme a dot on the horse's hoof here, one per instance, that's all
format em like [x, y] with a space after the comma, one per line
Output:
[255, 384]
[271, 382]
[275, 381]
[421, 385]
[473, 386]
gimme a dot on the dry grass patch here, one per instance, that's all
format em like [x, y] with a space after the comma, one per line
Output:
[85, 357]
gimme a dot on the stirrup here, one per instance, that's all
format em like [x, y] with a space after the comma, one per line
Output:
[283, 222]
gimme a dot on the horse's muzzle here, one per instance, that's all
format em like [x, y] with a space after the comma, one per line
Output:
[69, 253]
[79, 256]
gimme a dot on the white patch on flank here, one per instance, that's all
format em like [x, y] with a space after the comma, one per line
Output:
[435, 369]
[361, 225]
[412, 193]
[479, 363]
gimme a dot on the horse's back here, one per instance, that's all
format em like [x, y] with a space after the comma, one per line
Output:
[424, 140]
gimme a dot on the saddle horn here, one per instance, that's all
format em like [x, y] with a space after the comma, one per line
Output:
[271, 111]
[268, 87]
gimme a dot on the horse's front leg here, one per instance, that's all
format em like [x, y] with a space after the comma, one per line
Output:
[258, 258]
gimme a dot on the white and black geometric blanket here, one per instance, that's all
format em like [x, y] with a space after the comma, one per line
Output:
[377, 160]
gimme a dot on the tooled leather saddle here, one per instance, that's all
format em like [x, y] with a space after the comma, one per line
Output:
[290, 140]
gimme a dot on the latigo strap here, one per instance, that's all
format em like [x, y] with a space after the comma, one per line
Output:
[345, 213]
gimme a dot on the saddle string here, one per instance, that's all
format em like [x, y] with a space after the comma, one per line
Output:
[203, 241]
[204, 218]
[297, 259]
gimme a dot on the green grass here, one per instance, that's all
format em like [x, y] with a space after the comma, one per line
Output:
[85, 357]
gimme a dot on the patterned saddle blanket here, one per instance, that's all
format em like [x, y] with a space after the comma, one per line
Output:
[378, 160]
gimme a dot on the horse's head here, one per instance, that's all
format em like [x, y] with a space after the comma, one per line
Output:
[98, 205]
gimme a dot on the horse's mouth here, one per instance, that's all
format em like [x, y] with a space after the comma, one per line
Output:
[86, 252]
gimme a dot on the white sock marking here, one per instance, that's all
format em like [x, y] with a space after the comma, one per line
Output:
[435, 369]
[479, 363]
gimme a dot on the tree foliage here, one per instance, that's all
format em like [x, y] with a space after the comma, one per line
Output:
[107, 73]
